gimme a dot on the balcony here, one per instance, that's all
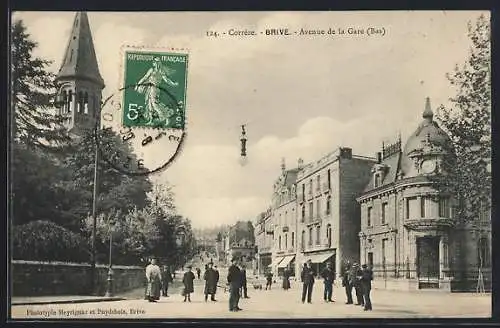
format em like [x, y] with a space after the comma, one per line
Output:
[423, 224]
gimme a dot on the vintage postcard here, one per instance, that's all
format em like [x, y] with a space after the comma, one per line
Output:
[278, 165]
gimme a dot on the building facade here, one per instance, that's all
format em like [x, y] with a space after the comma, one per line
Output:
[264, 241]
[410, 234]
[328, 216]
[284, 221]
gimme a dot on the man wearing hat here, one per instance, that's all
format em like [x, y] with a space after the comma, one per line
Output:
[188, 280]
[234, 280]
[307, 277]
[328, 278]
[355, 281]
[366, 284]
[346, 281]
[210, 277]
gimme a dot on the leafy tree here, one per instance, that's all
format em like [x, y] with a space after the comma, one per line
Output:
[468, 122]
[32, 87]
[47, 241]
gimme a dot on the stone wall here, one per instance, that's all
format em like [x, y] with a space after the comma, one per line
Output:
[31, 278]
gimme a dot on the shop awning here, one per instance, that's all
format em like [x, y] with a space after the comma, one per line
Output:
[276, 261]
[286, 261]
[320, 258]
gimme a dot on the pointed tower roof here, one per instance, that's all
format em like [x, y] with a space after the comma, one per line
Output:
[80, 60]
[428, 114]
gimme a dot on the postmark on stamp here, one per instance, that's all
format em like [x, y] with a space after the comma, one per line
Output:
[142, 125]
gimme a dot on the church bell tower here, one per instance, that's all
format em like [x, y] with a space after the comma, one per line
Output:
[79, 83]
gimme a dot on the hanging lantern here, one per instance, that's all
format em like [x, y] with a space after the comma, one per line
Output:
[243, 139]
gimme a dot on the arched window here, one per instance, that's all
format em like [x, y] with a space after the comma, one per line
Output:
[79, 102]
[329, 234]
[318, 235]
[70, 101]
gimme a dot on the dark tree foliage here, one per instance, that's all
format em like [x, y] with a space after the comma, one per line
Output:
[468, 123]
[32, 88]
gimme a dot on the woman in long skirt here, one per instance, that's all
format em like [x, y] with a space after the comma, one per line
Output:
[286, 279]
[153, 276]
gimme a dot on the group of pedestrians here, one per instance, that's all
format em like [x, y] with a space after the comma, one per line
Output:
[353, 277]
[360, 280]
[157, 281]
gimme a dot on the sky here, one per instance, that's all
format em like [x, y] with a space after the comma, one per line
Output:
[300, 96]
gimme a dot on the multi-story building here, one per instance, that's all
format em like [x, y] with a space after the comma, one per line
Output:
[284, 221]
[410, 234]
[264, 241]
[328, 219]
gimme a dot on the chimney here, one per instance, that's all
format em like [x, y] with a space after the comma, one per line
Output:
[379, 157]
[300, 163]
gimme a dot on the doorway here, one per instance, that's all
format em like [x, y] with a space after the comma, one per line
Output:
[428, 262]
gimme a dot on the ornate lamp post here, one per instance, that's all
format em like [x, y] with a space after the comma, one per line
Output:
[109, 289]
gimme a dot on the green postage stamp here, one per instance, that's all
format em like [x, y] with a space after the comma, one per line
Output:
[155, 89]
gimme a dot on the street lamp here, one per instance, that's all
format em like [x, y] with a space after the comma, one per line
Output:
[109, 289]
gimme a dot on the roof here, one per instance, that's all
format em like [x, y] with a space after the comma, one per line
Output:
[291, 177]
[392, 163]
[80, 60]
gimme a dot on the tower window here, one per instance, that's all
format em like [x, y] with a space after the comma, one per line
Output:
[422, 207]
[444, 208]
[369, 216]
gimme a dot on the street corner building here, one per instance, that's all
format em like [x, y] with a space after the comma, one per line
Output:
[314, 214]
[410, 234]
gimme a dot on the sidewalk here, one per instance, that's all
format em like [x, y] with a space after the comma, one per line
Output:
[137, 293]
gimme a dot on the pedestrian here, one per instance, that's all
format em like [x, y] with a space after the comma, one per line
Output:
[328, 278]
[346, 282]
[148, 262]
[187, 280]
[198, 272]
[153, 276]
[366, 284]
[210, 277]
[166, 279]
[286, 279]
[234, 281]
[244, 289]
[307, 277]
[269, 279]
[355, 280]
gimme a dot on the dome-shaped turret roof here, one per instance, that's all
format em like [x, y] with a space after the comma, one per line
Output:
[428, 132]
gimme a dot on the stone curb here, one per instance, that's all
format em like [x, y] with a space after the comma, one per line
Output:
[74, 301]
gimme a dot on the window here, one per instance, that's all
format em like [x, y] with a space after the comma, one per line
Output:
[318, 183]
[86, 103]
[422, 207]
[286, 241]
[293, 239]
[286, 218]
[384, 213]
[318, 208]
[370, 259]
[412, 209]
[369, 217]
[310, 236]
[79, 104]
[329, 181]
[303, 191]
[318, 235]
[279, 242]
[303, 213]
[329, 234]
[70, 101]
[378, 180]
[483, 254]
[303, 239]
[310, 186]
[328, 200]
[311, 211]
[444, 208]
